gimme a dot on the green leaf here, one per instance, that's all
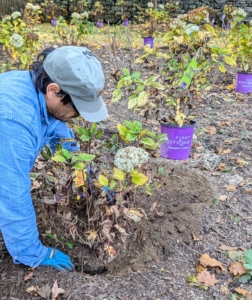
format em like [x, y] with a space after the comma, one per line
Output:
[246, 66]
[83, 157]
[99, 134]
[126, 72]
[142, 99]
[210, 28]
[137, 126]
[152, 78]
[230, 61]
[136, 75]
[85, 137]
[81, 130]
[103, 180]
[123, 130]
[147, 141]
[66, 153]
[93, 129]
[234, 297]
[132, 103]
[46, 153]
[248, 256]
[79, 166]
[69, 245]
[112, 185]
[222, 69]
[157, 86]
[116, 95]
[140, 88]
[59, 158]
[247, 266]
[168, 36]
[244, 278]
[129, 124]
[130, 136]
[119, 174]
[24, 59]
[138, 178]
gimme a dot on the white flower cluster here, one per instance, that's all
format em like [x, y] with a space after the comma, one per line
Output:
[250, 23]
[161, 6]
[75, 15]
[150, 4]
[16, 40]
[239, 12]
[177, 24]
[85, 15]
[36, 7]
[127, 159]
[15, 15]
[190, 28]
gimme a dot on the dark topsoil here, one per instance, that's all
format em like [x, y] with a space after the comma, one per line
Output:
[191, 220]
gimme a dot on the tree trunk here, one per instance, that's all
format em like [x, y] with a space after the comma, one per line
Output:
[9, 6]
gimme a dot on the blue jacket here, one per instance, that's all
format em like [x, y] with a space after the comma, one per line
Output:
[25, 128]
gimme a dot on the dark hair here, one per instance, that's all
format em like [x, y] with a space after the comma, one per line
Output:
[41, 80]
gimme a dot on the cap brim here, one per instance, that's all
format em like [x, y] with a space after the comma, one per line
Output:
[92, 111]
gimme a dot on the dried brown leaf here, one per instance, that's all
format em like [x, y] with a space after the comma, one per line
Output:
[212, 130]
[107, 224]
[206, 278]
[56, 290]
[200, 268]
[28, 276]
[206, 261]
[197, 237]
[237, 269]
[241, 291]
[227, 248]
[223, 198]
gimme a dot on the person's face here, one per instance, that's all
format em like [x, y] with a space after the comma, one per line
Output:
[55, 107]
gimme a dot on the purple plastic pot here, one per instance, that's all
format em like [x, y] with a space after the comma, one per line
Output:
[149, 41]
[244, 83]
[99, 24]
[125, 22]
[54, 22]
[228, 26]
[178, 145]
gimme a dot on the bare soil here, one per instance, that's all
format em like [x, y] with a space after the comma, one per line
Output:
[191, 220]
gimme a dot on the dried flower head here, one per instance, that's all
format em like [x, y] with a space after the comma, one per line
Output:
[85, 14]
[190, 28]
[32, 36]
[129, 158]
[15, 15]
[36, 7]
[16, 40]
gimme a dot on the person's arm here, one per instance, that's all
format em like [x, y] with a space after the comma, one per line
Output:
[17, 215]
[62, 132]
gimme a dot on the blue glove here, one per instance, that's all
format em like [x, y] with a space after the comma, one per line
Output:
[58, 260]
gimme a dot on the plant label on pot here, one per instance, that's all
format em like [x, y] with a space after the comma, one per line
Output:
[188, 75]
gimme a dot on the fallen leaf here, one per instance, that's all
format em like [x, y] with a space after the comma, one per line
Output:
[223, 198]
[32, 289]
[197, 237]
[231, 188]
[222, 167]
[248, 296]
[206, 278]
[36, 184]
[200, 268]
[92, 235]
[235, 255]
[45, 291]
[224, 289]
[206, 261]
[218, 219]
[241, 291]
[227, 151]
[56, 290]
[227, 248]
[212, 130]
[28, 276]
[237, 269]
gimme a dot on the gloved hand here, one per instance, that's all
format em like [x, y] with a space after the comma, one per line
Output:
[58, 260]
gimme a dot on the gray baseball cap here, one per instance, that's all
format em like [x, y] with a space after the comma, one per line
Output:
[79, 73]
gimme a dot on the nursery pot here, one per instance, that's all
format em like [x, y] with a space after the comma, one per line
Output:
[149, 41]
[99, 24]
[228, 26]
[54, 22]
[244, 82]
[125, 22]
[178, 145]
